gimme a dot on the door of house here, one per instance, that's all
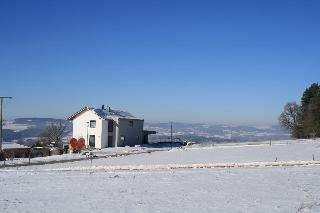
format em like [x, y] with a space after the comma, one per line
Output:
[92, 140]
[110, 141]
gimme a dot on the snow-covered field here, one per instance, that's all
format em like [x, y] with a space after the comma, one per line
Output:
[166, 181]
[223, 154]
[109, 152]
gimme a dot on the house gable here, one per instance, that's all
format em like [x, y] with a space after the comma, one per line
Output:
[82, 127]
[75, 115]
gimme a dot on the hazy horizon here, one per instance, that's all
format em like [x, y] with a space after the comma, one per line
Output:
[259, 125]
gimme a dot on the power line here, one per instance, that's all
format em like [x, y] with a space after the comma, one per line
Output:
[1, 119]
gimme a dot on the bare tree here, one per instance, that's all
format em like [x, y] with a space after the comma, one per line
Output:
[54, 133]
[290, 119]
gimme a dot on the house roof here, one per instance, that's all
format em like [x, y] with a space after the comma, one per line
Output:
[13, 146]
[84, 109]
[106, 114]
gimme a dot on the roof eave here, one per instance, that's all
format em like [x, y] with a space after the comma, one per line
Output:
[75, 115]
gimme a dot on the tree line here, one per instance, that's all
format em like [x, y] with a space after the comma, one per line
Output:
[303, 120]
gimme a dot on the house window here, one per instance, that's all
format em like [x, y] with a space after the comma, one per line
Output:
[93, 124]
[123, 138]
[131, 123]
[110, 126]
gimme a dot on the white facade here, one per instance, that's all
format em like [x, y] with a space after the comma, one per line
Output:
[124, 129]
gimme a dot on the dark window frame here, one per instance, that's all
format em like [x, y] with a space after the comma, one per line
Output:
[93, 124]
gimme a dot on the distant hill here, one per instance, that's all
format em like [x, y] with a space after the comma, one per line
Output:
[30, 128]
[217, 133]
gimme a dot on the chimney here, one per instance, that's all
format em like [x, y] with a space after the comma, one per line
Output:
[102, 107]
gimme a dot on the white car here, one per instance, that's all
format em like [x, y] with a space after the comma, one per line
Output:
[89, 155]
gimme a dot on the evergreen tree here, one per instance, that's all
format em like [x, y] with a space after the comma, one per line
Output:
[310, 108]
[308, 94]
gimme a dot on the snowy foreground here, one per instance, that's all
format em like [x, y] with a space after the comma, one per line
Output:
[239, 178]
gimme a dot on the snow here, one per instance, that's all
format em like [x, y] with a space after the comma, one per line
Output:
[218, 190]
[7, 145]
[111, 114]
[110, 152]
[16, 127]
[222, 154]
[283, 177]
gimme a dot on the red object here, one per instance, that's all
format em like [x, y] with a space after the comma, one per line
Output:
[81, 144]
[74, 144]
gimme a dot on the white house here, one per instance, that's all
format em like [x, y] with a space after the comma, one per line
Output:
[106, 127]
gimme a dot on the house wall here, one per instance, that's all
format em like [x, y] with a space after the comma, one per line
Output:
[113, 133]
[133, 135]
[80, 129]
[104, 134]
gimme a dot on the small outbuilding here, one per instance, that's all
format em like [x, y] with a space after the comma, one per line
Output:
[14, 150]
[106, 127]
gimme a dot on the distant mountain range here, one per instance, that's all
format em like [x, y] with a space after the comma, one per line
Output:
[216, 133]
[30, 128]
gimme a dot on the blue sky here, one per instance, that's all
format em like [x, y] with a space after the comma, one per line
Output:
[233, 62]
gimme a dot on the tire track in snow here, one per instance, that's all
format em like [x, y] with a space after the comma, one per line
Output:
[177, 166]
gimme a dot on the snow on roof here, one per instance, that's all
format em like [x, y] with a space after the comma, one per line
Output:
[106, 113]
[112, 114]
[13, 146]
